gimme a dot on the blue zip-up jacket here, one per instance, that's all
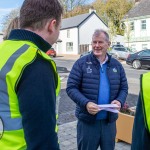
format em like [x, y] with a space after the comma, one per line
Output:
[83, 85]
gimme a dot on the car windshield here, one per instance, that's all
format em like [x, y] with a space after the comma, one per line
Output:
[120, 49]
[117, 46]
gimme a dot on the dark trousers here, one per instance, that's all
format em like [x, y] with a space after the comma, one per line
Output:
[90, 136]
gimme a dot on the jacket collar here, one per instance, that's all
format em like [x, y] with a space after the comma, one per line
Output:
[96, 62]
[21, 34]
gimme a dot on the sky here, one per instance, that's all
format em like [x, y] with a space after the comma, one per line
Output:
[7, 5]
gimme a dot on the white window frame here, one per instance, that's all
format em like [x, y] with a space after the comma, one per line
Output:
[132, 26]
[143, 24]
[69, 46]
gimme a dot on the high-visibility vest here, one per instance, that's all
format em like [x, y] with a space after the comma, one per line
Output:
[14, 57]
[145, 98]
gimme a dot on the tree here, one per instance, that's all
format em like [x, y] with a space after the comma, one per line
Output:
[112, 31]
[69, 5]
[7, 19]
[79, 10]
[100, 6]
[115, 10]
[128, 30]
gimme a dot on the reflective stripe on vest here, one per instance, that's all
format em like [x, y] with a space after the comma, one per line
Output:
[145, 97]
[15, 123]
[11, 69]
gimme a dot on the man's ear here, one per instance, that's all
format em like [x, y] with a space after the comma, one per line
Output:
[52, 26]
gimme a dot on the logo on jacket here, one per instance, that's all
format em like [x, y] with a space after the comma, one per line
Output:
[114, 70]
[1, 128]
[89, 63]
[88, 69]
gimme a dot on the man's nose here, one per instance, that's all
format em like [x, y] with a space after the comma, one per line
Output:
[97, 44]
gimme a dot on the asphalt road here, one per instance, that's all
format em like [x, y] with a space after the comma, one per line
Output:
[67, 106]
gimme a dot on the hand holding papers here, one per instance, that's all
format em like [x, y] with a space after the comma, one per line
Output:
[109, 107]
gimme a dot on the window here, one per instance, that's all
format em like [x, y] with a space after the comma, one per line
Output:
[143, 24]
[120, 49]
[69, 46]
[68, 33]
[144, 46]
[131, 26]
[145, 53]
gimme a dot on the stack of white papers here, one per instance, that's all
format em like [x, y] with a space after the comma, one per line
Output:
[109, 107]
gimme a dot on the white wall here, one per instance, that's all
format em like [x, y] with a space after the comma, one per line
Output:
[73, 38]
[87, 29]
[118, 38]
[138, 45]
[140, 34]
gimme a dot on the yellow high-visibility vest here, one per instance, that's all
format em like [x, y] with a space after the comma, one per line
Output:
[145, 98]
[15, 56]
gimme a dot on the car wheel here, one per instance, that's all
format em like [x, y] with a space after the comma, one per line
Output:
[136, 64]
[54, 56]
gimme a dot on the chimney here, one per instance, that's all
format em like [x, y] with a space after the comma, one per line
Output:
[91, 10]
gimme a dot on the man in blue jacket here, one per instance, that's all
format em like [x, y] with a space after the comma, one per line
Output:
[95, 79]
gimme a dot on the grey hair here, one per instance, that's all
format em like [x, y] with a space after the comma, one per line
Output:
[97, 32]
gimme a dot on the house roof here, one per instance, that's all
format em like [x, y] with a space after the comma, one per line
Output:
[76, 21]
[141, 8]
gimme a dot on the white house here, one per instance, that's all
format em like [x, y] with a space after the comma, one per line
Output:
[76, 33]
[137, 22]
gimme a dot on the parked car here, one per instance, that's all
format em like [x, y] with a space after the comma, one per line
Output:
[51, 52]
[139, 59]
[85, 53]
[120, 52]
[118, 45]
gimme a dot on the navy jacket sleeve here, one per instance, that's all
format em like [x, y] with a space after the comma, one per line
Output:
[140, 135]
[73, 86]
[123, 91]
[36, 94]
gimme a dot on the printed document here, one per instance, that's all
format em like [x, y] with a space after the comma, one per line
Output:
[109, 107]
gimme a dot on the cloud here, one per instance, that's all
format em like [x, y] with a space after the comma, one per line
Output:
[4, 12]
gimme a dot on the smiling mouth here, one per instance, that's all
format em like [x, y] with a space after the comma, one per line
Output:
[98, 50]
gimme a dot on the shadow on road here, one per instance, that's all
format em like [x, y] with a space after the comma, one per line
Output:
[62, 70]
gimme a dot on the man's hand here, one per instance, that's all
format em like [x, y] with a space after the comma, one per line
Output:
[92, 108]
[116, 102]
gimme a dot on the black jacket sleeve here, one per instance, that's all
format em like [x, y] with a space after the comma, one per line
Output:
[140, 135]
[37, 99]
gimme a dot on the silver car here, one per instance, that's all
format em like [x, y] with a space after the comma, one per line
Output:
[120, 52]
